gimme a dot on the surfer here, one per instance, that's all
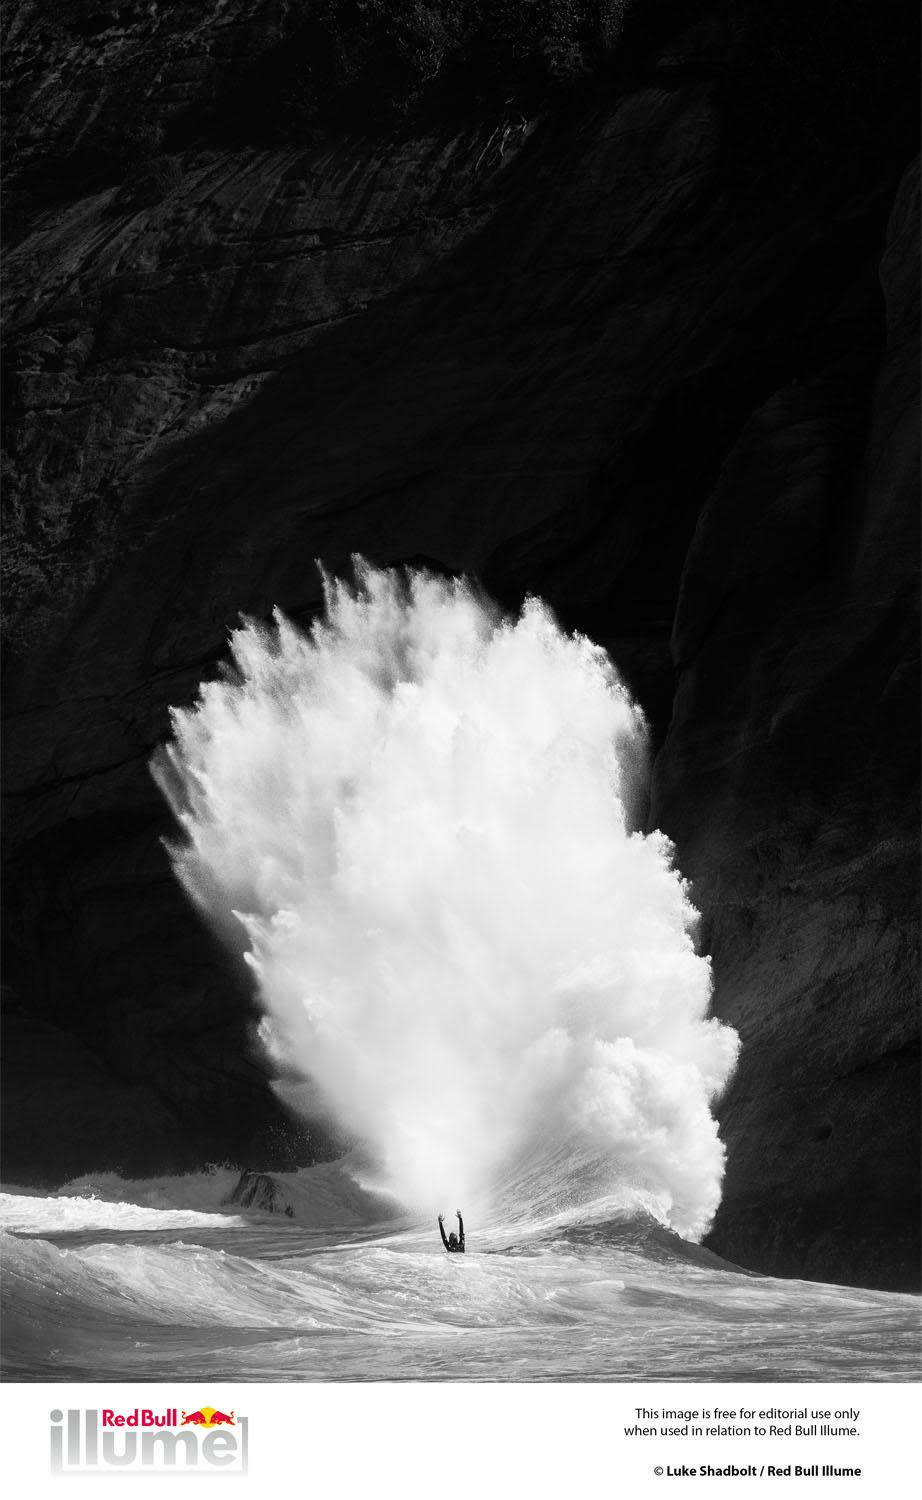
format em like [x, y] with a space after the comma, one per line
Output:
[454, 1244]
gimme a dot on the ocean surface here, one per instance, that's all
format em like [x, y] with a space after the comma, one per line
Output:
[112, 1280]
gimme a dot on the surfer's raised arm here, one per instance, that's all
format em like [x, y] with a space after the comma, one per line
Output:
[460, 1229]
[442, 1231]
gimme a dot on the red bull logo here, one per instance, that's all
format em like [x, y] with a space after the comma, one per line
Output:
[142, 1438]
[209, 1416]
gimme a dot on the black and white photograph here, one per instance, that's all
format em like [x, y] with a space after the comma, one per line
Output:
[461, 709]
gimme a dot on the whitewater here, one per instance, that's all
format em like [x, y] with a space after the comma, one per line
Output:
[421, 825]
[101, 1285]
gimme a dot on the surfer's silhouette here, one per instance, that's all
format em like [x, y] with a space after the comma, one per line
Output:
[454, 1243]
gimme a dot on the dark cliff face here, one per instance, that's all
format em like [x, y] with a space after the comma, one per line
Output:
[627, 344]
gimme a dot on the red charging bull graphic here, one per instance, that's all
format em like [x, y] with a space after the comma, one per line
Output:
[208, 1416]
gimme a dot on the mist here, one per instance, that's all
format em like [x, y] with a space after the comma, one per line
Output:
[419, 821]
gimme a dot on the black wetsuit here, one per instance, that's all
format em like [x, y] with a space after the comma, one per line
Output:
[457, 1249]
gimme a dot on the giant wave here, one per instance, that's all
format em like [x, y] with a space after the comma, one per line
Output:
[420, 822]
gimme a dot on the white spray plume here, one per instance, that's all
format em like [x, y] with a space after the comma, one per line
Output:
[420, 815]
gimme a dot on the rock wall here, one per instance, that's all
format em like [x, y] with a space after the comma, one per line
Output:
[606, 351]
[789, 779]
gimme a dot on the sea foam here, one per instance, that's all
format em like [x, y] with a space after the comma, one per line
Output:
[419, 821]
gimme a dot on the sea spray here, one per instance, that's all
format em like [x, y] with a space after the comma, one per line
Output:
[418, 821]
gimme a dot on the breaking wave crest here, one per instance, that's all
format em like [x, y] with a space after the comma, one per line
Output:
[419, 822]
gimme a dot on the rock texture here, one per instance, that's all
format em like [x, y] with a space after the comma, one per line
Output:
[326, 1197]
[790, 783]
[261, 1190]
[627, 352]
